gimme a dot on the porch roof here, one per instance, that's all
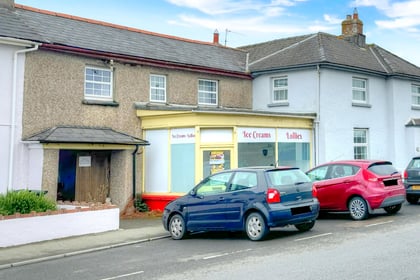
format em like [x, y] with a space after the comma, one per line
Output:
[74, 134]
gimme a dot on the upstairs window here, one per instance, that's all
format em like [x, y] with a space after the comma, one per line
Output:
[415, 95]
[207, 92]
[98, 83]
[157, 88]
[359, 88]
[280, 91]
[360, 143]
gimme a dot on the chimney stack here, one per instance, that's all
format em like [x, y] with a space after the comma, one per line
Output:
[215, 37]
[352, 29]
[8, 4]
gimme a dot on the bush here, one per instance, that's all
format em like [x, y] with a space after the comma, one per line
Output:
[140, 205]
[25, 202]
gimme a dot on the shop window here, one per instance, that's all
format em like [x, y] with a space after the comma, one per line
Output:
[156, 158]
[256, 154]
[294, 154]
[182, 167]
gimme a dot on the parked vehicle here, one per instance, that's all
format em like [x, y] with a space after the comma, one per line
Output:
[358, 186]
[411, 178]
[252, 199]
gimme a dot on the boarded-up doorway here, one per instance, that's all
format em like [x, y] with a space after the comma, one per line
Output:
[92, 176]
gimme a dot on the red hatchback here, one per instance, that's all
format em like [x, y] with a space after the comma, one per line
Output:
[358, 186]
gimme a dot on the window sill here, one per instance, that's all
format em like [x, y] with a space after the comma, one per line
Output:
[280, 104]
[100, 102]
[415, 107]
[365, 105]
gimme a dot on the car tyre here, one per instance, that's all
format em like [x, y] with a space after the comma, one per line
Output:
[412, 200]
[255, 227]
[305, 226]
[358, 208]
[393, 209]
[177, 227]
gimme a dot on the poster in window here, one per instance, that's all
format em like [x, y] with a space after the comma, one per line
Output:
[217, 161]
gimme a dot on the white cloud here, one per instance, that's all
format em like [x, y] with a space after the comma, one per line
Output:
[331, 19]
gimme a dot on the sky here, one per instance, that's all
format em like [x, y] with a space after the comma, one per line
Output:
[391, 24]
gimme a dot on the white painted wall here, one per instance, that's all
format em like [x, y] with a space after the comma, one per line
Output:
[27, 159]
[388, 112]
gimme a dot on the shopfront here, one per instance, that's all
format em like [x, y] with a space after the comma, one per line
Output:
[197, 144]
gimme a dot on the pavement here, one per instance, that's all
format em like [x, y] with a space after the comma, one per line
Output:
[132, 231]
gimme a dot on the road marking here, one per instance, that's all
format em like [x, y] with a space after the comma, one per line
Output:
[225, 254]
[123, 275]
[313, 236]
[378, 224]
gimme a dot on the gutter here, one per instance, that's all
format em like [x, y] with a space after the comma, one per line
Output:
[144, 61]
[13, 113]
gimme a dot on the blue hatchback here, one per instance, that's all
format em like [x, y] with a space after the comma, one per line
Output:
[252, 199]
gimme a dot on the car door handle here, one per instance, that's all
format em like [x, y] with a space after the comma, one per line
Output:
[221, 198]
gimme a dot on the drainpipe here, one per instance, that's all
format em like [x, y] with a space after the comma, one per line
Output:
[318, 117]
[13, 117]
[134, 170]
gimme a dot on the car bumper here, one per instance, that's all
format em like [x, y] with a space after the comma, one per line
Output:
[390, 201]
[280, 215]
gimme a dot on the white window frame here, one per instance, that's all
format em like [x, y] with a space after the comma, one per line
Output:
[415, 95]
[361, 144]
[97, 86]
[278, 91]
[157, 89]
[206, 96]
[362, 90]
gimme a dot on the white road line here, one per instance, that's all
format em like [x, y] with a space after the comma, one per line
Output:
[378, 224]
[314, 236]
[225, 254]
[123, 275]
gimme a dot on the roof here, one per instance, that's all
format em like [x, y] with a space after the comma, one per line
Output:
[326, 50]
[65, 30]
[74, 134]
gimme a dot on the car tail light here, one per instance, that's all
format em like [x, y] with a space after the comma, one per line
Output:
[273, 196]
[405, 175]
[314, 192]
[370, 176]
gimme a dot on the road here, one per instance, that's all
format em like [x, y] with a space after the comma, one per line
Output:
[381, 247]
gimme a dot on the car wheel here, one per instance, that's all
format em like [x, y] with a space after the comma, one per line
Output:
[177, 227]
[393, 209]
[358, 208]
[412, 200]
[255, 227]
[305, 226]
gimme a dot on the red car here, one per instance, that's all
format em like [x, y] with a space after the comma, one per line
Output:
[358, 186]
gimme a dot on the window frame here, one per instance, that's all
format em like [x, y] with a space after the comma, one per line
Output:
[279, 88]
[110, 84]
[151, 88]
[360, 89]
[415, 95]
[358, 145]
[206, 93]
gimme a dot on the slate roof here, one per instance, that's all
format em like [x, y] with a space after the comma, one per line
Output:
[74, 134]
[65, 30]
[326, 49]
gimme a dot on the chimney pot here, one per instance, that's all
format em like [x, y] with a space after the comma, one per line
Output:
[216, 37]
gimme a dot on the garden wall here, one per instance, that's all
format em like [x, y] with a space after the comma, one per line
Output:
[69, 220]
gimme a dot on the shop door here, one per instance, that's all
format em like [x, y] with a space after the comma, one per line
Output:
[92, 176]
[215, 160]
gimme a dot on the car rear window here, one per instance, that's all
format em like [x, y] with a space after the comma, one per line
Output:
[384, 168]
[414, 163]
[287, 176]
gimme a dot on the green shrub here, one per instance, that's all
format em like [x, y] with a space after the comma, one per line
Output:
[140, 205]
[25, 202]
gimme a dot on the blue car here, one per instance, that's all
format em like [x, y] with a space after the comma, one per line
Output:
[252, 199]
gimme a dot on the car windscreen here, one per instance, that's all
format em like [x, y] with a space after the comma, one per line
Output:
[383, 168]
[280, 177]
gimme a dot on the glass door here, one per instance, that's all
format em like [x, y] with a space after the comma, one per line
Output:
[216, 160]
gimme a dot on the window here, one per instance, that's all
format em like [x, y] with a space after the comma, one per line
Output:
[360, 143]
[415, 91]
[157, 88]
[207, 92]
[98, 83]
[280, 89]
[359, 87]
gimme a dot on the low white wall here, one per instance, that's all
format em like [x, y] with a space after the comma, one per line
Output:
[19, 231]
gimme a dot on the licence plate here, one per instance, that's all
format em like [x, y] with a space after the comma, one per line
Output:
[415, 188]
